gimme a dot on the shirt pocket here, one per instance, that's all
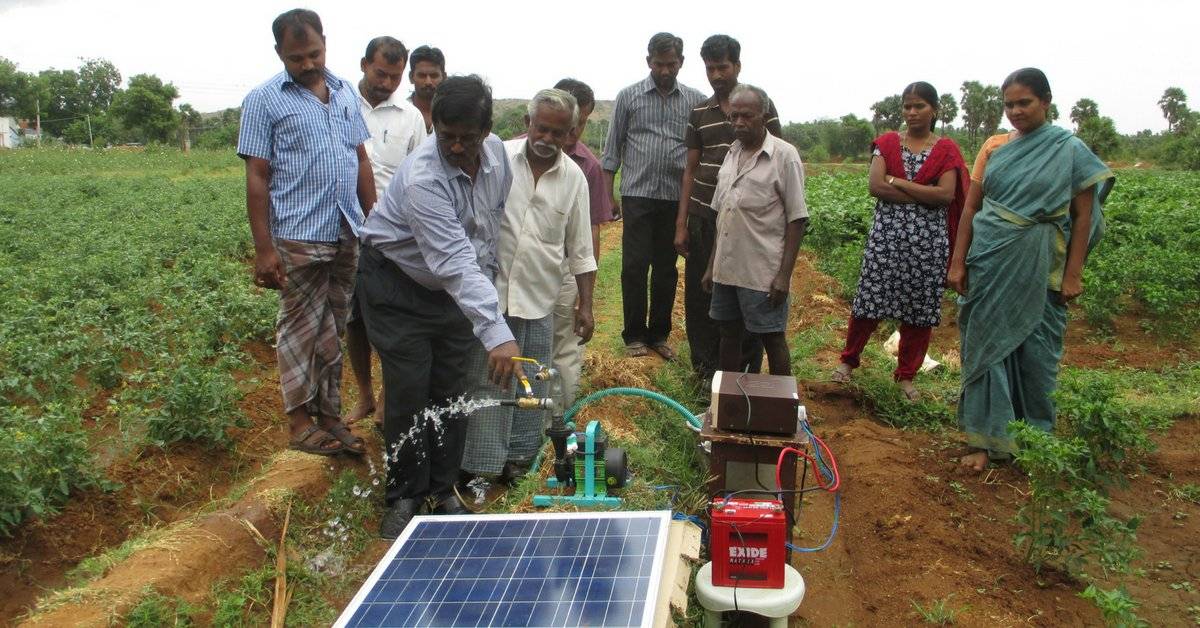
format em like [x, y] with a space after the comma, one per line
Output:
[390, 149]
[754, 194]
[551, 224]
[343, 123]
[291, 133]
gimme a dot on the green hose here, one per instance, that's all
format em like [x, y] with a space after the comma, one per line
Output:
[692, 419]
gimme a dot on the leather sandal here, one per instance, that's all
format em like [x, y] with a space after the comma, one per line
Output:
[315, 440]
[351, 444]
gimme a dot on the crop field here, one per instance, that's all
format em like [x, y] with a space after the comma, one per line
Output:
[144, 477]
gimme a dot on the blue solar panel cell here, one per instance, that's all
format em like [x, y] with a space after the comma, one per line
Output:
[554, 569]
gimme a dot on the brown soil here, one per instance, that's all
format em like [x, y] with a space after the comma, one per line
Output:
[192, 555]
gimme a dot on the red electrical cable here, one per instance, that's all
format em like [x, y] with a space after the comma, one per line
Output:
[837, 479]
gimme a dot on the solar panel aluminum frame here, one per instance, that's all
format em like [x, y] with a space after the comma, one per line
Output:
[655, 577]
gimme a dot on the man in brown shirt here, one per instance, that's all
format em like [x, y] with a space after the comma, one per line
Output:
[708, 137]
[761, 216]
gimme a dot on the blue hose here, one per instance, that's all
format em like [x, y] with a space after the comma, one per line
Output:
[692, 419]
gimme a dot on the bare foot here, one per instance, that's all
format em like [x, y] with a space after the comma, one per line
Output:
[910, 392]
[364, 407]
[975, 461]
[841, 374]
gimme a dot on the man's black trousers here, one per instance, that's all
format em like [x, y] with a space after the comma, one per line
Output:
[423, 340]
[648, 248]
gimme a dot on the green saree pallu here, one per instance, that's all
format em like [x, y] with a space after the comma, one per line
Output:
[1012, 319]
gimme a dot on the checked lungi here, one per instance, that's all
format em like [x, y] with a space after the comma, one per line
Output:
[313, 305]
[502, 434]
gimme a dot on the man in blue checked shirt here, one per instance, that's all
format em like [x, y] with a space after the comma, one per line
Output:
[308, 182]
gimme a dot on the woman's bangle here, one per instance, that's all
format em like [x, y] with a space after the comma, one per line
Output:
[891, 180]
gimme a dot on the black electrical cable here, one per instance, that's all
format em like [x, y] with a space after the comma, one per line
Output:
[753, 445]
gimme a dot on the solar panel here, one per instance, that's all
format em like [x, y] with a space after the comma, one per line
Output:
[538, 569]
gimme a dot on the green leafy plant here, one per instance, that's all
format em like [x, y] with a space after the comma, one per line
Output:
[1066, 520]
[939, 612]
[43, 458]
[199, 404]
[1116, 607]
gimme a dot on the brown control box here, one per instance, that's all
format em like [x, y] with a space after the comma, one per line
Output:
[773, 400]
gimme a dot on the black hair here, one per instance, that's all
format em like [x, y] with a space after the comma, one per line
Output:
[393, 50]
[1032, 78]
[297, 20]
[583, 94]
[428, 55]
[720, 47]
[463, 99]
[663, 43]
[924, 91]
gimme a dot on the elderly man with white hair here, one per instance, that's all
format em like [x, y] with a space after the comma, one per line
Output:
[546, 221]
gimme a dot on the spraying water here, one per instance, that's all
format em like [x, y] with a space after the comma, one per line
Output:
[434, 417]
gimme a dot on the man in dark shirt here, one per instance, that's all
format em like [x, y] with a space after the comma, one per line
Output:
[708, 137]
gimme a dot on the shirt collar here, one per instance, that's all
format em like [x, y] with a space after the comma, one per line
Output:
[284, 79]
[767, 148]
[648, 85]
[487, 161]
[395, 100]
[524, 153]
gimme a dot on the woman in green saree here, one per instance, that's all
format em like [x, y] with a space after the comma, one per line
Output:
[1032, 214]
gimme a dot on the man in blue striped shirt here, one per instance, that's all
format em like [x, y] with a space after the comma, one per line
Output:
[308, 182]
[645, 141]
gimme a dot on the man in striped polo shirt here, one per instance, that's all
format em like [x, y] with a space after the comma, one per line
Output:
[308, 182]
[709, 135]
[645, 141]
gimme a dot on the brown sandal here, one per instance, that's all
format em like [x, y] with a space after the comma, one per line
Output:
[635, 349]
[314, 440]
[351, 444]
[664, 350]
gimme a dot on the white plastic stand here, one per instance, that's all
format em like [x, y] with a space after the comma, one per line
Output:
[776, 604]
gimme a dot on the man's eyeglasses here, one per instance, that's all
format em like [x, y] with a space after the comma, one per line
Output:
[467, 141]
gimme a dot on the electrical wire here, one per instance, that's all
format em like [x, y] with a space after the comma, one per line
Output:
[830, 472]
[753, 445]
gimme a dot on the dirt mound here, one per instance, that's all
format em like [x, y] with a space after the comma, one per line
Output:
[192, 555]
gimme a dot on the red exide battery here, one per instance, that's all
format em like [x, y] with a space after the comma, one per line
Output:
[747, 543]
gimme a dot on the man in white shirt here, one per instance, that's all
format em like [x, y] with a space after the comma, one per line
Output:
[396, 128]
[547, 221]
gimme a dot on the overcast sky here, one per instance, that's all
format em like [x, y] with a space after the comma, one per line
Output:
[815, 59]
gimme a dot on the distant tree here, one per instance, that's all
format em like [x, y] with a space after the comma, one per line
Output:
[510, 122]
[993, 110]
[220, 131]
[853, 137]
[1174, 107]
[14, 87]
[146, 106]
[947, 109]
[1085, 109]
[1100, 135]
[189, 115]
[1052, 114]
[99, 81]
[889, 114]
[982, 107]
